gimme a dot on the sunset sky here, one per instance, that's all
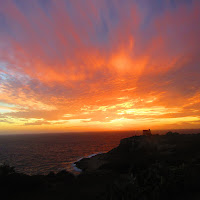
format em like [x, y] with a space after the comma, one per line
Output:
[92, 65]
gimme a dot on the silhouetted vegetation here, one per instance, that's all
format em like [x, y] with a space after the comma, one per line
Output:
[6, 170]
[140, 168]
[172, 133]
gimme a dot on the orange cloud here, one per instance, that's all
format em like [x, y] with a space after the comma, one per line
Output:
[99, 65]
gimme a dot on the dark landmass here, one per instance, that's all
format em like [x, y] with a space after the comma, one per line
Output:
[141, 168]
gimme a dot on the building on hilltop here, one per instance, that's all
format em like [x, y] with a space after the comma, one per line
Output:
[147, 132]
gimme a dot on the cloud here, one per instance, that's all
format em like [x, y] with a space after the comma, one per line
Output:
[39, 122]
[71, 60]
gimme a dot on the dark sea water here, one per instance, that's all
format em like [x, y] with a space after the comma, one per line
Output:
[42, 153]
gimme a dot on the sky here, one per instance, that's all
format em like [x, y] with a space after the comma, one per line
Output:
[95, 65]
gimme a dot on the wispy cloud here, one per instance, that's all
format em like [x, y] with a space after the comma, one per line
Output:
[107, 63]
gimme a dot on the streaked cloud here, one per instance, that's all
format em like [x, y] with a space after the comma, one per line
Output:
[99, 65]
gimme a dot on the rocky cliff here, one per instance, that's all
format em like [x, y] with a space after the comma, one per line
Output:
[138, 151]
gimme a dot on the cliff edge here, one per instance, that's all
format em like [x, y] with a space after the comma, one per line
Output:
[142, 151]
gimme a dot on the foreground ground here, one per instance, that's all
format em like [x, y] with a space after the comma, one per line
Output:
[140, 168]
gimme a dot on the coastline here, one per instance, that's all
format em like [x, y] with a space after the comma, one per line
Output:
[78, 170]
[141, 167]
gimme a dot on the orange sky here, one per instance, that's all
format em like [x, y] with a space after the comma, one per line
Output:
[99, 65]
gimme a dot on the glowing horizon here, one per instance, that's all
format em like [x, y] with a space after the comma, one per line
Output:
[99, 65]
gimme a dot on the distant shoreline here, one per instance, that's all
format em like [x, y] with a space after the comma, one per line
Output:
[163, 131]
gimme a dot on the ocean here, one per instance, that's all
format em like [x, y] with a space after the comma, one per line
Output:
[42, 153]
